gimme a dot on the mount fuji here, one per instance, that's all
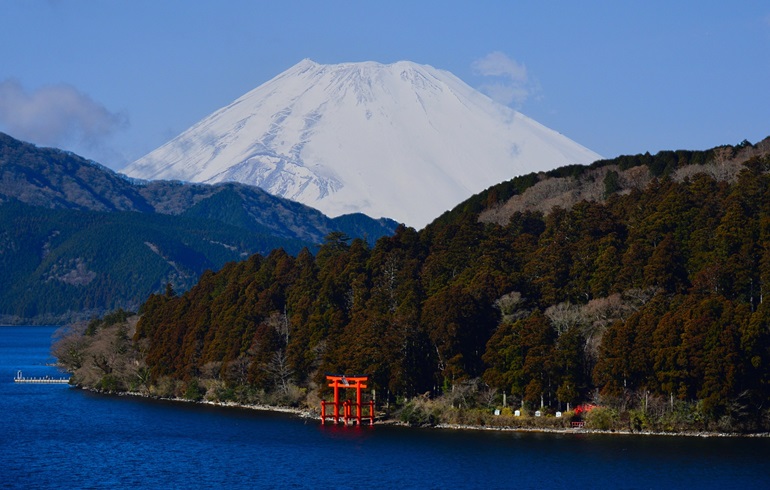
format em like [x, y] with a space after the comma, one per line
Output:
[401, 140]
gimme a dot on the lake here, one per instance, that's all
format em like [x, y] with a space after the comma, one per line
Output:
[55, 436]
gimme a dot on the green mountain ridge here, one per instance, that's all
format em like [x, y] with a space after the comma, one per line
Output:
[78, 240]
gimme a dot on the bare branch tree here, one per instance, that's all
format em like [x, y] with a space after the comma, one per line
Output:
[279, 369]
[564, 315]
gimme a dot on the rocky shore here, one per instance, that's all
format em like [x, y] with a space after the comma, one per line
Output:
[307, 413]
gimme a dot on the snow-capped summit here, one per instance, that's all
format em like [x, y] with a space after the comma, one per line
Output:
[404, 141]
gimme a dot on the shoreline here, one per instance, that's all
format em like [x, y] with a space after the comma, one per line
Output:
[309, 414]
[551, 430]
[263, 408]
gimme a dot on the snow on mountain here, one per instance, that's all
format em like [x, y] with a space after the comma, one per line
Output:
[404, 141]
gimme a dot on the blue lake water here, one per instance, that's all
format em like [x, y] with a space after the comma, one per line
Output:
[54, 436]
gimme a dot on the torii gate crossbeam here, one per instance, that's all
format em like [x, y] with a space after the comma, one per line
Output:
[346, 382]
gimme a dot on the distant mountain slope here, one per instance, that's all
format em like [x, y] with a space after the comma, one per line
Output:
[61, 264]
[52, 178]
[403, 140]
[77, 239]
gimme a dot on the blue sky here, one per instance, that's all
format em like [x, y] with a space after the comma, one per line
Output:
[112, 80]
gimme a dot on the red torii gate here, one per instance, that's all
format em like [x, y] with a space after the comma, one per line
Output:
[347, 382]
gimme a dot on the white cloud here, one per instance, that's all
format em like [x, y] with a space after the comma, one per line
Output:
[498, 64]
[56, 115]
[509, 83]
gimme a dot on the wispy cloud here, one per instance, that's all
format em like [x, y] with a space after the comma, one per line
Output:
[56, 115]
[509, 83]
[498, 64]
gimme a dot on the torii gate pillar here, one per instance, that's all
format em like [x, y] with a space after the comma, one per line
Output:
[341, 381]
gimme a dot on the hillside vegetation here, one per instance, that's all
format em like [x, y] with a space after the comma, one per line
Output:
[78, 240]
[650, 300]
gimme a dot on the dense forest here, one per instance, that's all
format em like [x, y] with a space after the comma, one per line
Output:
[650, 301]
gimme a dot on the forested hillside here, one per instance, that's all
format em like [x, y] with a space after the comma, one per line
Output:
[78, 240]
[651, 296]
[69, 264]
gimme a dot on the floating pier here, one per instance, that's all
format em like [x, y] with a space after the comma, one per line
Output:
[46, 380]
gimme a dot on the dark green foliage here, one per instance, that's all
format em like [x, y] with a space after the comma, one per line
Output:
[77, 239]
[193, 391]
[118, 316]
[491, 197]
[226, 207]
[360, 225]
[58, 263]
[567, 171]
[611, 183]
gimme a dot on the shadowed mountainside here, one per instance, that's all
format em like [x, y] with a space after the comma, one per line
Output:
[77, 239]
